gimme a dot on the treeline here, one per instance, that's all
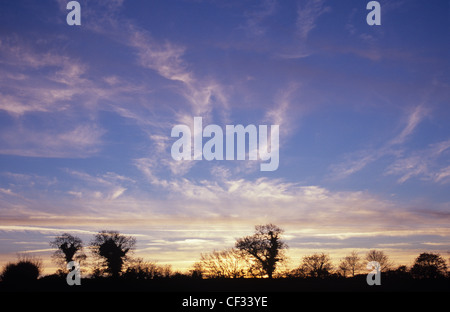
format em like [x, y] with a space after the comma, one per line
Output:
[261, 255]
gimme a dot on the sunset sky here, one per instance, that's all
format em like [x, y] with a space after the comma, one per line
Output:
[86, 114]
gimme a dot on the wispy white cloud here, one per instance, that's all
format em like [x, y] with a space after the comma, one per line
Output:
[354, 163]
[43, 230]
[83, 141]
[64, 85]
[360, 159]
[7, 192]
[442, 175]
[117, 192]
[200, 96]
[108, 186]
[165, 58]
[283, 113]
[422, 164]
[414, 118]
[255, 18]
[307, 14]
[263, 199]
[148, 166]
[240, 201]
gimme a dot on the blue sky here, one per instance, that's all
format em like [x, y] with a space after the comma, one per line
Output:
[86, 114]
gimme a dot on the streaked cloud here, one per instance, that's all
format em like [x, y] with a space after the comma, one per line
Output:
[62, 89]
[43, 230]
[255, 18]
[308, 12]
[414, 118]
[165, 58]
[422, 164]
[83, 141]
[416, 164]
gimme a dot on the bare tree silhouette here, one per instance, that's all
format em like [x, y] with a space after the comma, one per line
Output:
[351, 263]
[265, 246]
[229, 263]
[139, 269]
[316, 265]
[114, 248]
[380, 257]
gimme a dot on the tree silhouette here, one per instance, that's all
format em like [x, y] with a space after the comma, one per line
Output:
[381, 258]
[265, 246]
[351, 263]
[429, 265]
[139, 269]
[113, 247]
[23, 272]
[316, 265]
[69, 248]
[229, 263]
[197, 271]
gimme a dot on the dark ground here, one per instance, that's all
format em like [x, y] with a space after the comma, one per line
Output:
[169, 294]
[183, 284]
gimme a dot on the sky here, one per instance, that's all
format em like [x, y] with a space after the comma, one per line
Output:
[86, 114]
